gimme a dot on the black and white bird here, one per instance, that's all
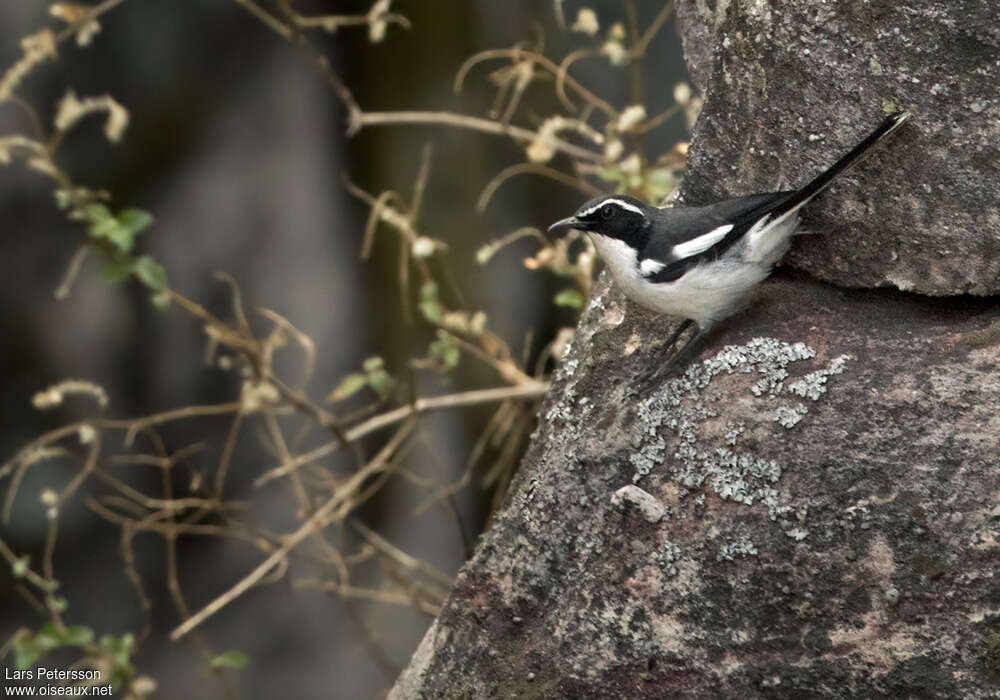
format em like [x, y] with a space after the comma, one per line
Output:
[702, 263]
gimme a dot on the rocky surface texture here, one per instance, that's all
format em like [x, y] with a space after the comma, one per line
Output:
[792, 85]
[813, 509]
[809, 512]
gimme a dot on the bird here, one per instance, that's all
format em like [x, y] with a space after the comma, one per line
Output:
[702, 263]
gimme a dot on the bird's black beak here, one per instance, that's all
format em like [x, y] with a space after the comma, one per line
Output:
[566, 224]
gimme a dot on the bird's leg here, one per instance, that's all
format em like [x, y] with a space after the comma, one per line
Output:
[656, 367]
[682, 356]
[677, 334]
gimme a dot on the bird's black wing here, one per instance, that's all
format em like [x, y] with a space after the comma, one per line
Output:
[681, 225]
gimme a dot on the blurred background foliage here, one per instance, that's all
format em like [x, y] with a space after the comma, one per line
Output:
[237, 147]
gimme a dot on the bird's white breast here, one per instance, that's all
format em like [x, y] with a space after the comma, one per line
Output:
[705, 294]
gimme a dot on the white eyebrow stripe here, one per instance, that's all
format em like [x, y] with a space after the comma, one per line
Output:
[649, 266]
[623, 205]
[701, 243]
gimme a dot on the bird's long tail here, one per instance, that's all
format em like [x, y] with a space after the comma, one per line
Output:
[799, 197]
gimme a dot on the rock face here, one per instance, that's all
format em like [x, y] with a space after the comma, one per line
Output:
[791, 85]
[813, 509]
[829, 522]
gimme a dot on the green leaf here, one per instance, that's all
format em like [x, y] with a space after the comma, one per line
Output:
[380, 382]
[19, 569]
[161, 300]
[430, 307]
[118, 645]
[151, 273]
[121, 230]
[78, 636]
[231, 659]
[569, 297]
[26, 652]
[119, 650]
[612, 174]
[446, 351]
[48, 638]
[373, 364]
[63, 198]
[118, 271]
[349, 385]
[662, 181]
[111, 231]
[97, 213]
[135, 221]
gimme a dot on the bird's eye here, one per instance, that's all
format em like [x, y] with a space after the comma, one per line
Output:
[607, 211]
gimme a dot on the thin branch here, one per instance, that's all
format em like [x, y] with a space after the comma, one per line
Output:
[399, 556]
[72, 271]
[90, 16]
[661, 18]
[266, 18]
[532, 389]
[563, 77]
[632, 22]
[389, 597]
[528, 390]
[295, 36]
[522, 54]
[315, 523]
[539, 169]
[463, 121]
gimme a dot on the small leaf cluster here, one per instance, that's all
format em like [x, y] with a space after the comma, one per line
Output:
[234, 659]
[119, 651]
[373, 375]
[649, 185]
[444, 352]
[430, 304]
[115, 652]
[29, 647]
[115, 234]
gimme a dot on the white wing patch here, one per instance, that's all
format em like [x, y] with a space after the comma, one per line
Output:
[701, 243]
[618, 202]
[650, 267]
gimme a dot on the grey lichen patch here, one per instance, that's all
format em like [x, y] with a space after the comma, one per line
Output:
[813, 385]
[991, 660]
[741, 477]
[743, 546]
[797, 533]
[644, 460]
[774, 373]
[684, 407]
[789, 416]
[734, 432]
[667, 558]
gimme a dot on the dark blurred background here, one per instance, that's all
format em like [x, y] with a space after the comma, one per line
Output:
[237, 145]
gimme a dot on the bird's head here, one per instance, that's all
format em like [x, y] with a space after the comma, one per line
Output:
[614, 216]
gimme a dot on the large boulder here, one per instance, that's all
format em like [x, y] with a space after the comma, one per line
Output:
[813, 510]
